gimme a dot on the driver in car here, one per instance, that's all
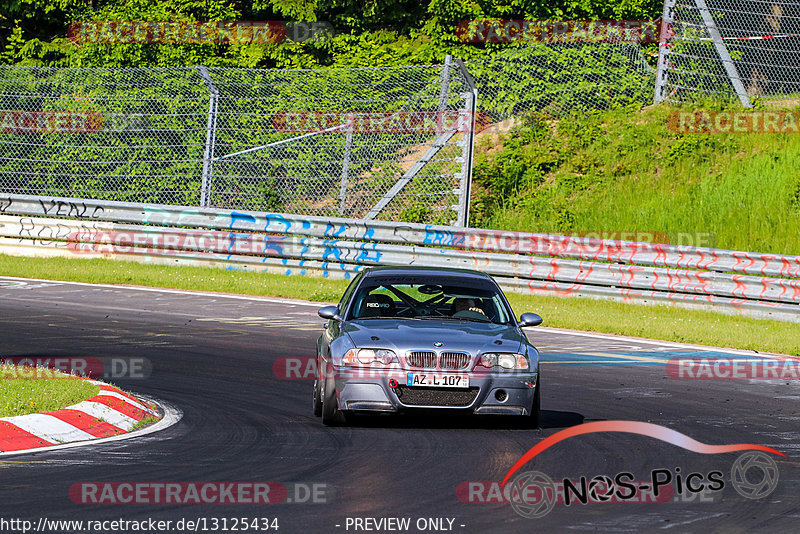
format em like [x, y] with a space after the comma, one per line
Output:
[461, 304]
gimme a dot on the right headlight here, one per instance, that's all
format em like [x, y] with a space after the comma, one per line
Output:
[504, 360]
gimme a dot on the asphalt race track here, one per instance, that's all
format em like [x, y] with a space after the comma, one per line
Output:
[213, 358]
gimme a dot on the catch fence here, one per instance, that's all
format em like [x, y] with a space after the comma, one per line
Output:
[365, 143]
[730, 49]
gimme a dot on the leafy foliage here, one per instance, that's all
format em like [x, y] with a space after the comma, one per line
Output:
[367, 33]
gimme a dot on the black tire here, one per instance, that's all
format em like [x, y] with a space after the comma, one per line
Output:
[317, 398]
[532, 419]
[331, 415]
[536, 407]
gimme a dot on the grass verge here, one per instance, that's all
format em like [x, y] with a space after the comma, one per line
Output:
[147, 421]
[664, 322]
[656, 322]
[101, 271]
[25, 390]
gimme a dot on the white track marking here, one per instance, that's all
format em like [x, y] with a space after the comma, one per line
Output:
[49, 428]
[612, 337]
[171, 416]
[106, 413]
[127, 400]
[174, 291]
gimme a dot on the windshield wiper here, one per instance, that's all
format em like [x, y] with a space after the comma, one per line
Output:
[450, 318]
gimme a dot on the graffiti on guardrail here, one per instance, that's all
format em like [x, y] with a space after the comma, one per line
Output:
[592, 264]
[70, 209]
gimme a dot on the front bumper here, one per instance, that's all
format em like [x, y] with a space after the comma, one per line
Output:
[489, 393]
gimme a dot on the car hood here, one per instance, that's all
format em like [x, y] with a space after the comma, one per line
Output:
[462, 336]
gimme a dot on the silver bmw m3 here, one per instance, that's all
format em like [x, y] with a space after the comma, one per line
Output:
[406, 339]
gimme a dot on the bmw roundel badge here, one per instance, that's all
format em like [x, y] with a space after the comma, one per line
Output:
[437, 344]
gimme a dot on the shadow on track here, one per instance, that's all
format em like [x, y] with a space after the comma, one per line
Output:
[548, 419]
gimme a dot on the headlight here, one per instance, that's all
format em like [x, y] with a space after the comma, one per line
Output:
[369, 357]
[504, 360]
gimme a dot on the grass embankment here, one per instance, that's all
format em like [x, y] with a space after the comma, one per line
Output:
[625, 171]
[657, 322]
[25, 390]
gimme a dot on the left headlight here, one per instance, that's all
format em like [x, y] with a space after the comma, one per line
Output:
[504, 360]
[369, 357]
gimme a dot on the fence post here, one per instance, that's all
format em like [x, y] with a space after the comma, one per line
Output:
[443, 91]
[663, 51]
[727, 62]
[346, 163]
[211, 133]
[470, 107]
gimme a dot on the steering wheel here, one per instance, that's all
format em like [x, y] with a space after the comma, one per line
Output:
[470, 314]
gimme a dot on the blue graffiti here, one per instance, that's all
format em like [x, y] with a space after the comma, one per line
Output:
[341, 230]
[233, 240]
[167, 217]
[443, 237]
[368, 253]
[234, 237]
[331, 249]
[149, 212]
[273, 245]
[277, 218]
[238, 216]
[338, 233]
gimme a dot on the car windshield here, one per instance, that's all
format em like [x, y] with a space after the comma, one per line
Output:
[440, 298]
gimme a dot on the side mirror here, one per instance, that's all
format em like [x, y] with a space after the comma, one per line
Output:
[530, 319]
[330, 312]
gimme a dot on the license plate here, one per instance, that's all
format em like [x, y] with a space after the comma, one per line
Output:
[434, 380]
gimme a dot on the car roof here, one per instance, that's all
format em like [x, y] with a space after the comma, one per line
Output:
[412, 270]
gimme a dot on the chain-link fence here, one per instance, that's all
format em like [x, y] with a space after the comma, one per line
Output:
[730, 48]
[387, 143]
[391, 143]
[560, 78]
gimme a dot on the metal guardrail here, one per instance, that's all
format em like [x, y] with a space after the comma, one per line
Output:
[761, 284]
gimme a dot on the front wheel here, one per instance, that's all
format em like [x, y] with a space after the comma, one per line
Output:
[331, 415]
[533, 418]
[317, 398]
[536, 407]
